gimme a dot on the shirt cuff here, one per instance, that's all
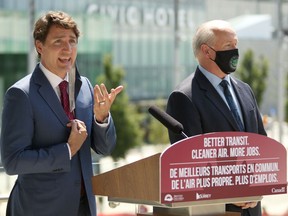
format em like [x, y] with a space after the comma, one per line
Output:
[105, 122]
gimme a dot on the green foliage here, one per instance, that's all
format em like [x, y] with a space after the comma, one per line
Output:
[125, 115]
[254, 73]
[157, 133]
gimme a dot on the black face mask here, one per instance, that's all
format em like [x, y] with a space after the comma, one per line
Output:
[226, 60]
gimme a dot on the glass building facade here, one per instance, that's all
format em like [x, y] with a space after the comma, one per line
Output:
[141, 36]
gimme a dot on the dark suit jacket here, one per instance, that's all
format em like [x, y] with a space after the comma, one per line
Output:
[198, 106]
[33, 146]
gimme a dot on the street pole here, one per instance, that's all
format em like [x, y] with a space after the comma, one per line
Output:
[176, 45]
[280, 70]
[31, 49]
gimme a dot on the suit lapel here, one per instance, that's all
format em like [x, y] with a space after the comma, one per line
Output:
[78, 84]
[215, 98]
[48, 94]
[245, 106]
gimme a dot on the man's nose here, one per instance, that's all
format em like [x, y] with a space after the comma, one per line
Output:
[67, 46]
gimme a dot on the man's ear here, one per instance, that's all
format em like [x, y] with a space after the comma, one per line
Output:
[38, 46]
[205, 49]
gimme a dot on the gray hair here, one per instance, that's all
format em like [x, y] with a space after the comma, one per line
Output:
[205, 34]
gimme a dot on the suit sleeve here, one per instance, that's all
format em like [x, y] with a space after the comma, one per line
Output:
[104, 139]
[18, 154]
[259, 120]
[180, 107]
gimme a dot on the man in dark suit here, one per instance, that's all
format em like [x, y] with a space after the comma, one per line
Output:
[46, 139]
[199, 102]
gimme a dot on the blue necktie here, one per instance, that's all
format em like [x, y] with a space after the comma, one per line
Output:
[231, 103]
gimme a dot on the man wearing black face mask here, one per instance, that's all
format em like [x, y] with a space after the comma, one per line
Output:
[226, 60]
[200, 102]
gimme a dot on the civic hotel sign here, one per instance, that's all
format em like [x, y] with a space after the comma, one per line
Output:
[222, 165]
[134, 15]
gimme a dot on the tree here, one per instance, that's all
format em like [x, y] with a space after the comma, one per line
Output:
[254, 73]
[125, 115]
[157, 132]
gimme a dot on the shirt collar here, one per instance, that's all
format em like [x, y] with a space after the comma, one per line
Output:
[214, 80]
[53, 79]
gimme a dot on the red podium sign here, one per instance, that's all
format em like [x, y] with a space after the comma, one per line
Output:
[222, 165]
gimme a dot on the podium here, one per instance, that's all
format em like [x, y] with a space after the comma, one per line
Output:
[199, 175]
